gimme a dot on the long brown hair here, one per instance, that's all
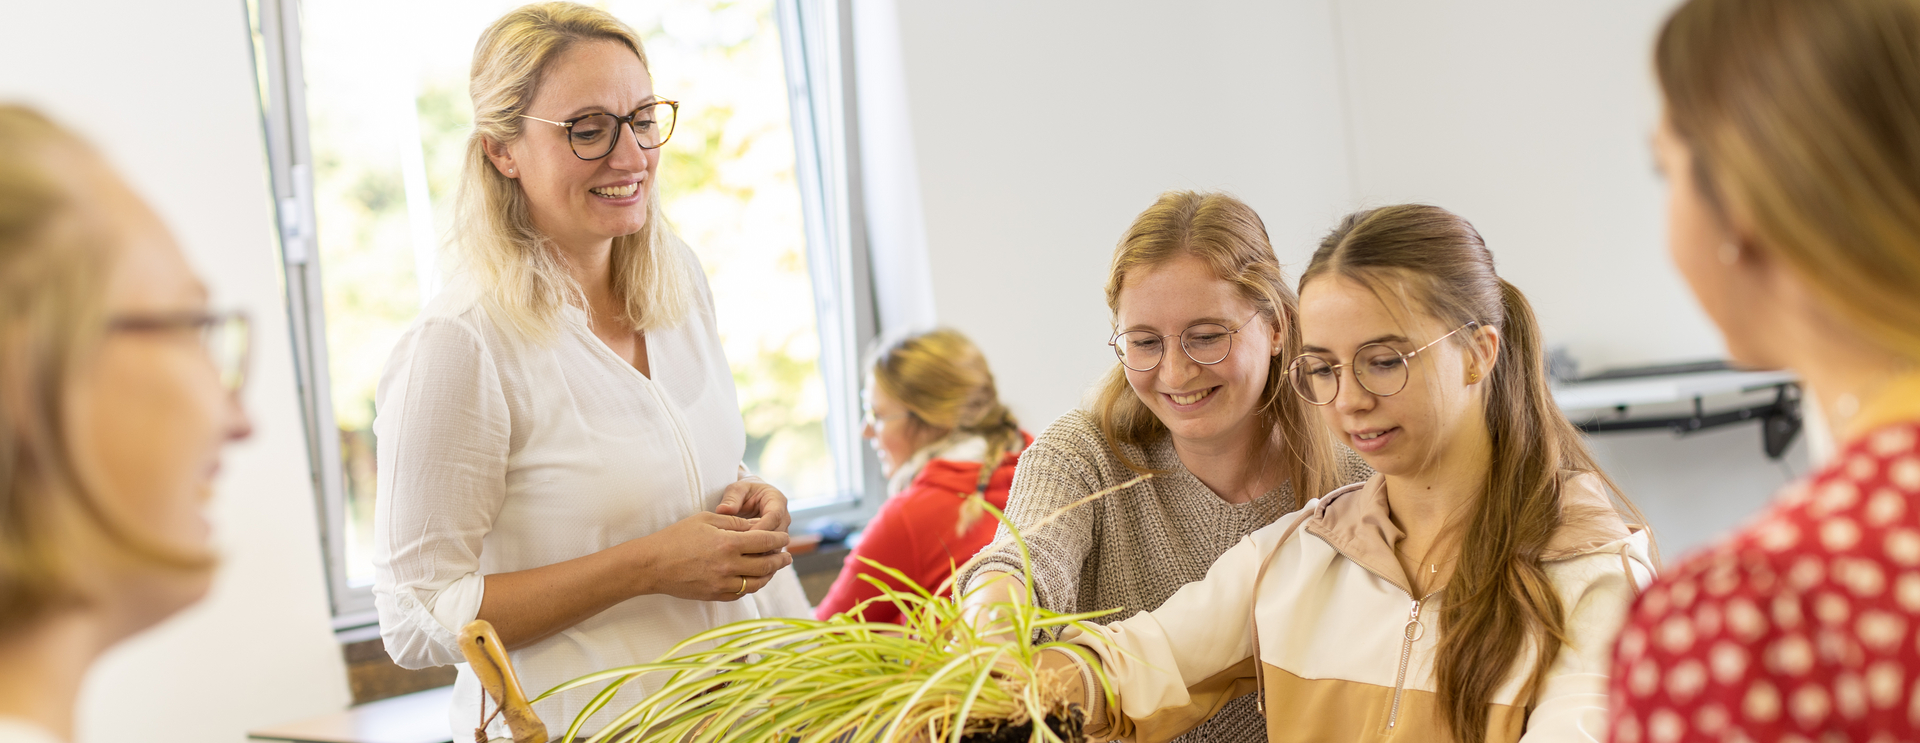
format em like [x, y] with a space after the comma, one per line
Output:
[942, 380]
[1804, 121]
[1229, 236]
[1499, 595]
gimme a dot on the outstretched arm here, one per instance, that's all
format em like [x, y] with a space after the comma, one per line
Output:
[1175, 667]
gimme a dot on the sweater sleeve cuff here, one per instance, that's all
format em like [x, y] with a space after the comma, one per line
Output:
[974, 574]
[993, 564]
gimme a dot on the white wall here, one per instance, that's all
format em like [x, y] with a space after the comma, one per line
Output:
[890, 173]
[1530, 119]
[1694, 489]
[1041, 129]
[165, 89]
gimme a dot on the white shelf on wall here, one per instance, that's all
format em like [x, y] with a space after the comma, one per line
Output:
[1662, 389]
[1678, 402]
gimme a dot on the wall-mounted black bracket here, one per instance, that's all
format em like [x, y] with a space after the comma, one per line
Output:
[1780, 420]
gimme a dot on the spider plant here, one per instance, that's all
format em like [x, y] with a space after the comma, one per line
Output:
[939, 677]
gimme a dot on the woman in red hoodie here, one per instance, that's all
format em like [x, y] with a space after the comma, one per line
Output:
[934, 418]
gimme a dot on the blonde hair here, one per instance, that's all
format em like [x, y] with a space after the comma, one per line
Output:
[1229, 236]
[52, 316]
[1804, 121]
[942, 379]
[521, 276]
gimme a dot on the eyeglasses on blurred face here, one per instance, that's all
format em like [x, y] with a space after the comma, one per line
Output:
[869, 420]
[226, 336]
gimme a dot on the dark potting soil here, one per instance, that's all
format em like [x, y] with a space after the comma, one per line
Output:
[1068, 728]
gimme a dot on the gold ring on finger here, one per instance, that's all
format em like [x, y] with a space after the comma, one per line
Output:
[743, 587]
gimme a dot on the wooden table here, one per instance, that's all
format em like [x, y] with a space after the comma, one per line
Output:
[420, 717]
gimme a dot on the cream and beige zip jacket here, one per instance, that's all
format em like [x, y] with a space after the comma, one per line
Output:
[1337, 646]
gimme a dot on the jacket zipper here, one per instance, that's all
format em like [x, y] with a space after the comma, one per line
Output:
[1412, 631]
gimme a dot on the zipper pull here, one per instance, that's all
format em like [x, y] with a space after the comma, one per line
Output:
[1414, 629]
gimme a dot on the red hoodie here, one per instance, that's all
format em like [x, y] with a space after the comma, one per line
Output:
[917, 533]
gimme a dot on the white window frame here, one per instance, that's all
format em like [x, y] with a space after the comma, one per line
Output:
[821, 95]
[825, 114]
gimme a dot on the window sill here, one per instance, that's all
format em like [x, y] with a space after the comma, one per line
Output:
[356, 626]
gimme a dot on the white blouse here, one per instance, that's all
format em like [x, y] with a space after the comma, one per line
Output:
[499, 454]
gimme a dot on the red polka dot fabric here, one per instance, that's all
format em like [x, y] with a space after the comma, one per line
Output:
[1801, 627]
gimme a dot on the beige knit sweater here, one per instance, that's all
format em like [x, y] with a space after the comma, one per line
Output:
[1131, 549]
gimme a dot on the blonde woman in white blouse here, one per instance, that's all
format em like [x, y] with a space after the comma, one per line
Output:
[559, 438]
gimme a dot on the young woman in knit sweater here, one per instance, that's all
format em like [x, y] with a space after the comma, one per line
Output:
[1204, 325]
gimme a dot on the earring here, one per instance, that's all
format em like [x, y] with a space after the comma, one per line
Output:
[1473, 376]
[509, 171]
[1729, 253]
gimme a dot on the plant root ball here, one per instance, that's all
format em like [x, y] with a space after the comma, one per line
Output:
[1066, 726]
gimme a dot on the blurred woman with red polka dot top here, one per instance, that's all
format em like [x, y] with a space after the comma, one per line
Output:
[1791, 146]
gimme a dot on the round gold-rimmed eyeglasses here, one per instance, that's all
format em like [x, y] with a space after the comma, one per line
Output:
[869, 420]
[594, 136]
[1207, 343]
[227, 337]
[1379, 368]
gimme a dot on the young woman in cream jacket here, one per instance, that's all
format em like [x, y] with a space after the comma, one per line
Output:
[1471, 591]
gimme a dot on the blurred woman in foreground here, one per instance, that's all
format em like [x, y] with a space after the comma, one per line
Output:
[935, 419]
[118, 391]
[1791, 147]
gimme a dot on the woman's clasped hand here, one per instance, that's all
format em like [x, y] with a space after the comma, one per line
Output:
[755, 499]
[709, 557]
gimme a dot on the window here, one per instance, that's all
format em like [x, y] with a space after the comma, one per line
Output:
[367, 115]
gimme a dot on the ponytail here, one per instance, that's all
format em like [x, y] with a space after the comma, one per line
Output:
[997, 426]
[1499, 596]
[1500, 593]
